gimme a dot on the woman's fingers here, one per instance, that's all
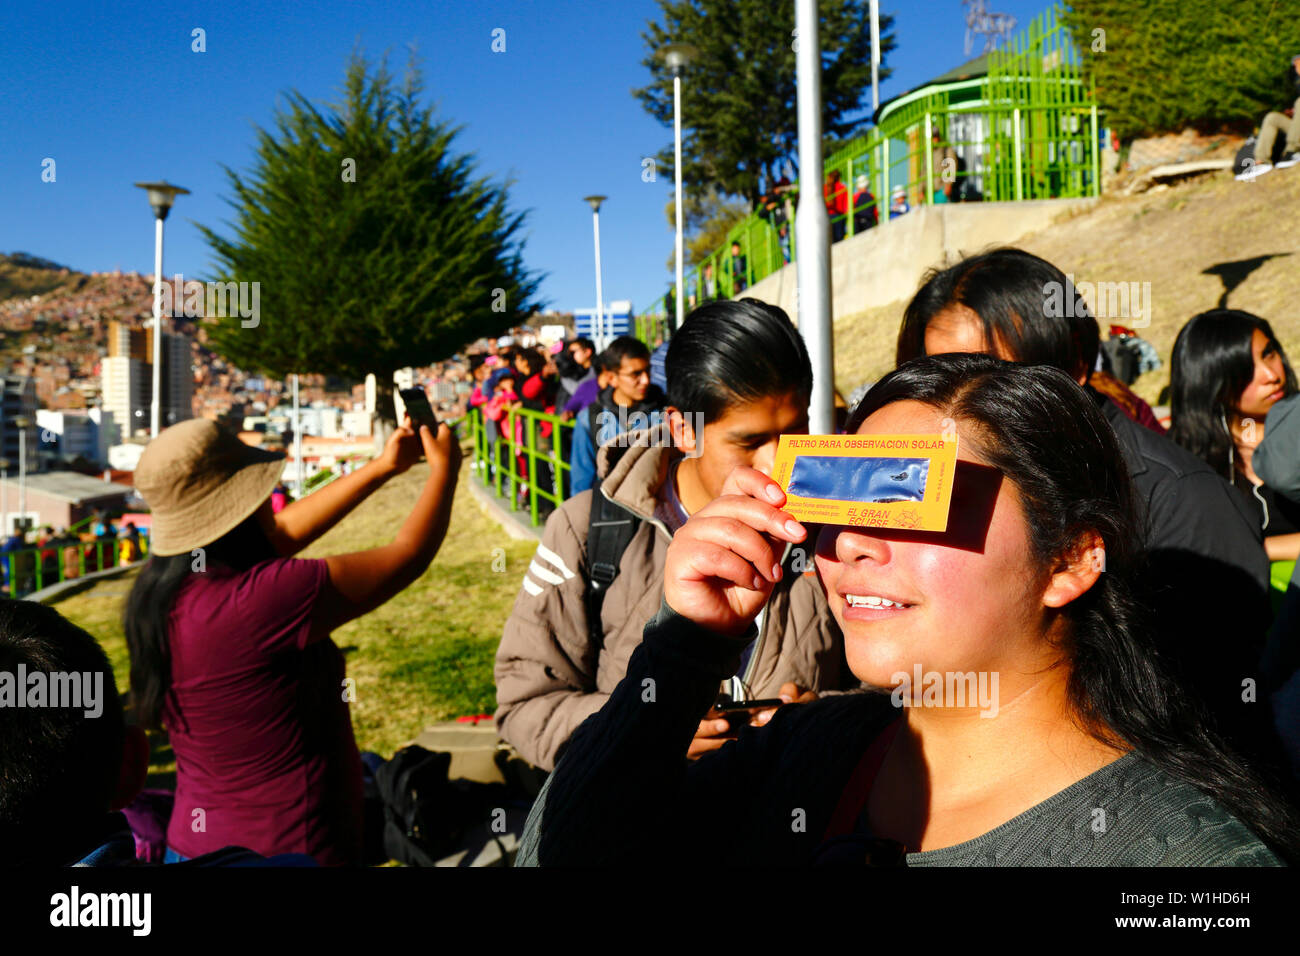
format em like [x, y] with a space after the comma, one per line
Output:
[738, 538]
[705, 561]
[762, 517]
[752, 482]
[436, 447]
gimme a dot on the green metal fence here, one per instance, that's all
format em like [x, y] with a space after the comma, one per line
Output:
[30, 569]
[512, 464]
[1027, 129]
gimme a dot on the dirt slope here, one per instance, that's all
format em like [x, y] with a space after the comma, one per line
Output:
[1199, 244]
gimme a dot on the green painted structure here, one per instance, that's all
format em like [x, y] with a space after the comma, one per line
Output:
[1022, 123]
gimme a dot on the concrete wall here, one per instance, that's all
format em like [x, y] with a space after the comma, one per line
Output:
[885, 264]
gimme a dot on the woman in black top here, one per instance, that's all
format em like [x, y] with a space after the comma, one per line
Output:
[1228, 370]
[1091, 753]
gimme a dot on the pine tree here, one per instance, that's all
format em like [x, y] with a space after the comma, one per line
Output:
[375, 245]
[739, 122]
[1162, 65]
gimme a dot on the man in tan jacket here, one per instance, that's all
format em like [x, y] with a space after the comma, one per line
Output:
[738, 378]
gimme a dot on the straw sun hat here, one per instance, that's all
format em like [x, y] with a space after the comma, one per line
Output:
[200, 482]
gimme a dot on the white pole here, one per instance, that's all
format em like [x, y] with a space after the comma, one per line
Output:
[813, 267]
[600, 302]
[875, 55]
[678, 303]
[927, 193]
[297, 437]
[155, 414]
[1015, 147]
[22, 477]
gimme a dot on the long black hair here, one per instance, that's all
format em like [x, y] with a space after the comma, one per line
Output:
[146, 616]
[728, 353]
[1047, 437]
[1022, 301]
[1212, 363]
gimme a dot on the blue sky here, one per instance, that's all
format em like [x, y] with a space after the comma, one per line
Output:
[113, 93]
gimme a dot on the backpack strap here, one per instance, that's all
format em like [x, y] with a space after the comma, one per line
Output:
[609, 533]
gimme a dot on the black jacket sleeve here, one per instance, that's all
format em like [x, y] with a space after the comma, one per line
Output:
[624, 791]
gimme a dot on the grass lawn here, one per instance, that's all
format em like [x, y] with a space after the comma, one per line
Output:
[423, 657]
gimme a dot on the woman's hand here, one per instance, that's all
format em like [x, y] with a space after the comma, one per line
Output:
[723, 563]
[402, 450]
[714, 731]
[442, 451]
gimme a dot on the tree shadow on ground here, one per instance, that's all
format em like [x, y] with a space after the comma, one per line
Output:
[1233, 274]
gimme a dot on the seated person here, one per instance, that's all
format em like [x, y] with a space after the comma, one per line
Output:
[1228, 370]
[69, 766]
[230, 635]
[1085, 753]
[738, 378]
[1285, 124]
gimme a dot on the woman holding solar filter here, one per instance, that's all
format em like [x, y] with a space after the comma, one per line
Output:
[1198, 533]
[1089, 754]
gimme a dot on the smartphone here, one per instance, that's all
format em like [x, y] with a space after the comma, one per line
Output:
[732, 706]
[738, 712]
[418, 407]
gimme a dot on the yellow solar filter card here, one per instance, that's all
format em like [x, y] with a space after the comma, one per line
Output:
[873, 481]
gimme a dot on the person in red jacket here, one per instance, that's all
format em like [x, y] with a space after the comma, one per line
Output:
[837, 204]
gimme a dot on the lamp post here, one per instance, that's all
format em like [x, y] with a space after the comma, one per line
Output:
[161, 196]
[4, 495]
[22, 423]
[812, 229]
[677, 55]
[599, 330]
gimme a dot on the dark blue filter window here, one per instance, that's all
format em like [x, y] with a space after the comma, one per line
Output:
[870, 480]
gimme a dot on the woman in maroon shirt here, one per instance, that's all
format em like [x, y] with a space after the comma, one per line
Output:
[230, 635]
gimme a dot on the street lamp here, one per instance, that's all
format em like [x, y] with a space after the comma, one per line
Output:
[812, 228]
[677, 55]
[600, 302]
[161, 196]
[22, 423]
[4, 495]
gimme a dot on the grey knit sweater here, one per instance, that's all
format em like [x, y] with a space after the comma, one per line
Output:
[624, 794]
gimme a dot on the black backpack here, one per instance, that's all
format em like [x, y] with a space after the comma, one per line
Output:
[426, 815]
[609, 532]
[1246, 155]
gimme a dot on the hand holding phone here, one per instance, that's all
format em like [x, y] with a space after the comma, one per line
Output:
[419, 409]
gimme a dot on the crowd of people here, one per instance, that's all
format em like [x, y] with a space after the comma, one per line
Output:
[59, 553]
[845, 205]
[707, 678]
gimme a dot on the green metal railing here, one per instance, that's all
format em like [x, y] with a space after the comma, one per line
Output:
[1031, 123]
[496, 463]
[30, 569]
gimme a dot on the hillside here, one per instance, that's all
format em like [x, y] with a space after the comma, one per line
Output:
[23, 275]
[1201, 244]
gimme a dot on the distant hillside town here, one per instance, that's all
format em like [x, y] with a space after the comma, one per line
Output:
[76, 391]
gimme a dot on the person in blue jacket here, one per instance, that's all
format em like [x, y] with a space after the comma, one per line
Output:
[630, 403]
